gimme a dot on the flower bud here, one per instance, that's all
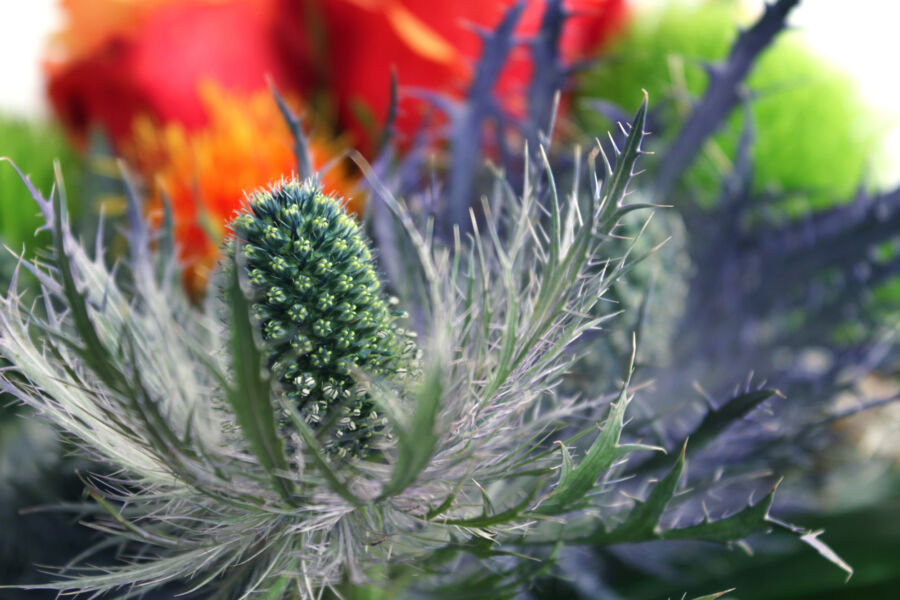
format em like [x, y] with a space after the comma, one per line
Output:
[322, 310]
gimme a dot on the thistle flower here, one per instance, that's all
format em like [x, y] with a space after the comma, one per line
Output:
[320, 307]
[222, 478]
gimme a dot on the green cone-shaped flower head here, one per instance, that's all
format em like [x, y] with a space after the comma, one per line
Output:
[320, 307]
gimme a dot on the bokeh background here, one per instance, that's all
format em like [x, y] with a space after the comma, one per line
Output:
[86, 82]
[856, 40]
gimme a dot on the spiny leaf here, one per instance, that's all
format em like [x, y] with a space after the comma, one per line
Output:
[446, 504]
[750, 520]
[250, 396]
[94, 352]
[716, 421]
[388, 131]
[576, 482]
[301, 144]
[714, 596]
[643, 521]
[811, 538]
[722, 94]
[617, 185]
[166, 241]
[488, 519]
[416, 443]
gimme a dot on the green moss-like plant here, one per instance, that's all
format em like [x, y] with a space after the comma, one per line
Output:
[321, 308]
[796, 92]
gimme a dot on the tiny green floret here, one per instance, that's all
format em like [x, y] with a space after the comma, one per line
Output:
[321, 309]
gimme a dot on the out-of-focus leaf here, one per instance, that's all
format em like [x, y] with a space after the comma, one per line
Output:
[714, 596]
[716, 421]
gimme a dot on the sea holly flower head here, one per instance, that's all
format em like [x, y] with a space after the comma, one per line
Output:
[246, 454]
[320, 308]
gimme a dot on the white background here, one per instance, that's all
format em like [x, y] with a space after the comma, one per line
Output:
[859, 36]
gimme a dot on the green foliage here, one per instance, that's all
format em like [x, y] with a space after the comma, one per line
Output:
[473, 447]
[250, 396]
[34, 147]
[33, 470]
[717, 420]
[321, 309]
[795, 93]
[868, 539]
[575, 482]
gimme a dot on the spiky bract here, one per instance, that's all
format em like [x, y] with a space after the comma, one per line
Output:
[205, 490]
[321, 308]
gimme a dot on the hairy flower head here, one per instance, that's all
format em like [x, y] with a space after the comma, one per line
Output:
[320, 308]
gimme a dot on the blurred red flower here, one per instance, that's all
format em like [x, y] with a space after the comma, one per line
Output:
[121, 59]
[140, 71]
[118, 59]
[434, 46]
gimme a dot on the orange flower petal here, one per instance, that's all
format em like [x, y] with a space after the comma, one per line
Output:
[205, 172]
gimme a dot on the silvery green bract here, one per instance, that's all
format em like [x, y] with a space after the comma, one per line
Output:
[218, 475]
